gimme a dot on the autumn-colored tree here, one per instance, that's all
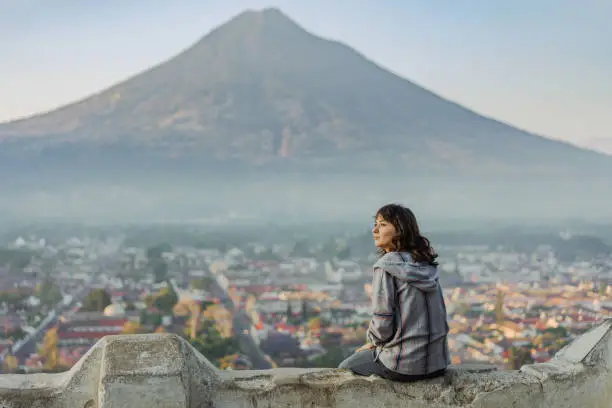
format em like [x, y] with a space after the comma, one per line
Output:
[234, 296]
[212, 345]
[49, 350]
[131, 327]
[227, 361]
[210, 311]
[314, 324]
[249, 305]
[193, 310]
[221, 317]
[538, 341]
[10, 364]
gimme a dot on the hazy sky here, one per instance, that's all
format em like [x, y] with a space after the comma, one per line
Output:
[542, 65]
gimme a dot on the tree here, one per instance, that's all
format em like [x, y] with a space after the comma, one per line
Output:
[49, 350]
[203, 283]
[155, 252]
[518, 357]
[49, 293]
[300, 249]
[305, 311]
[538, 341]
[603, 288]
[212, 345]
[221, 317]
[96, 301]
[558, 332]
[131, 328]
[156, 261]
[147, 318]
[289, 312]
[165, 300]
[267, 255]
[314, 324]
[500, 316]
[149, 301]
[16, 259]
[10, 364]
[160, 270]
[227, 361]
[250, 303]
[15, 334]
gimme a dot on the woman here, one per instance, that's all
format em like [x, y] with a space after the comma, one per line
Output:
[406, 339]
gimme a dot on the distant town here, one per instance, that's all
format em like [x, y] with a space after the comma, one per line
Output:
[256, 305]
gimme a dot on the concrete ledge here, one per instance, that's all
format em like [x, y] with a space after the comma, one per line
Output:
[163, 370]
[151, 370]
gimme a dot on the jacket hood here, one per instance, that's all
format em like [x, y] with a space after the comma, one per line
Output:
[400, 265]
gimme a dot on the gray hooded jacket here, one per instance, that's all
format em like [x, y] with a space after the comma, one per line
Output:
[409, 325]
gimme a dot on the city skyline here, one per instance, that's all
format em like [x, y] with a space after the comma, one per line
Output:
[539, 67]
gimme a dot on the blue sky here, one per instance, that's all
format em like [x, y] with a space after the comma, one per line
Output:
[543, 65]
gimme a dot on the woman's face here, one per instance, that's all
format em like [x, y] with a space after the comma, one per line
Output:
[383, 233]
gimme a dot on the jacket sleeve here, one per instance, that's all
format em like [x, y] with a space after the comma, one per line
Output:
[382, 325]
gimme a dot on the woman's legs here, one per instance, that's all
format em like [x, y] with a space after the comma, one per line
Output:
[363, 363]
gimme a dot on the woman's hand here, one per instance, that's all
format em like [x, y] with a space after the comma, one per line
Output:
[367, 346]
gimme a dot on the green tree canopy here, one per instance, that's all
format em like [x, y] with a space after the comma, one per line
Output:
[48, 292]
[165, 300]
[96, 301]
[203, 283]
[212, 345]
[15, 258]
[156, 251]
[519, 357]
[160, 270]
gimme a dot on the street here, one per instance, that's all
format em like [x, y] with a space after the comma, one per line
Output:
[242, 328]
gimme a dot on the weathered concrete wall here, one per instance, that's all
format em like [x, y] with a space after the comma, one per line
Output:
[162, 370]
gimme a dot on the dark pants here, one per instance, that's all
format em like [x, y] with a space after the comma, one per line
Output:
[362, 363]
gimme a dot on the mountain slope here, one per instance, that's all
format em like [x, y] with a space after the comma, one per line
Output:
[260, 89]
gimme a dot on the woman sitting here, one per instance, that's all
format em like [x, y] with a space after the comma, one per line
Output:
[407, 336]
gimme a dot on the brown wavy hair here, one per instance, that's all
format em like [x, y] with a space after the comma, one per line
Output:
[409, 238]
